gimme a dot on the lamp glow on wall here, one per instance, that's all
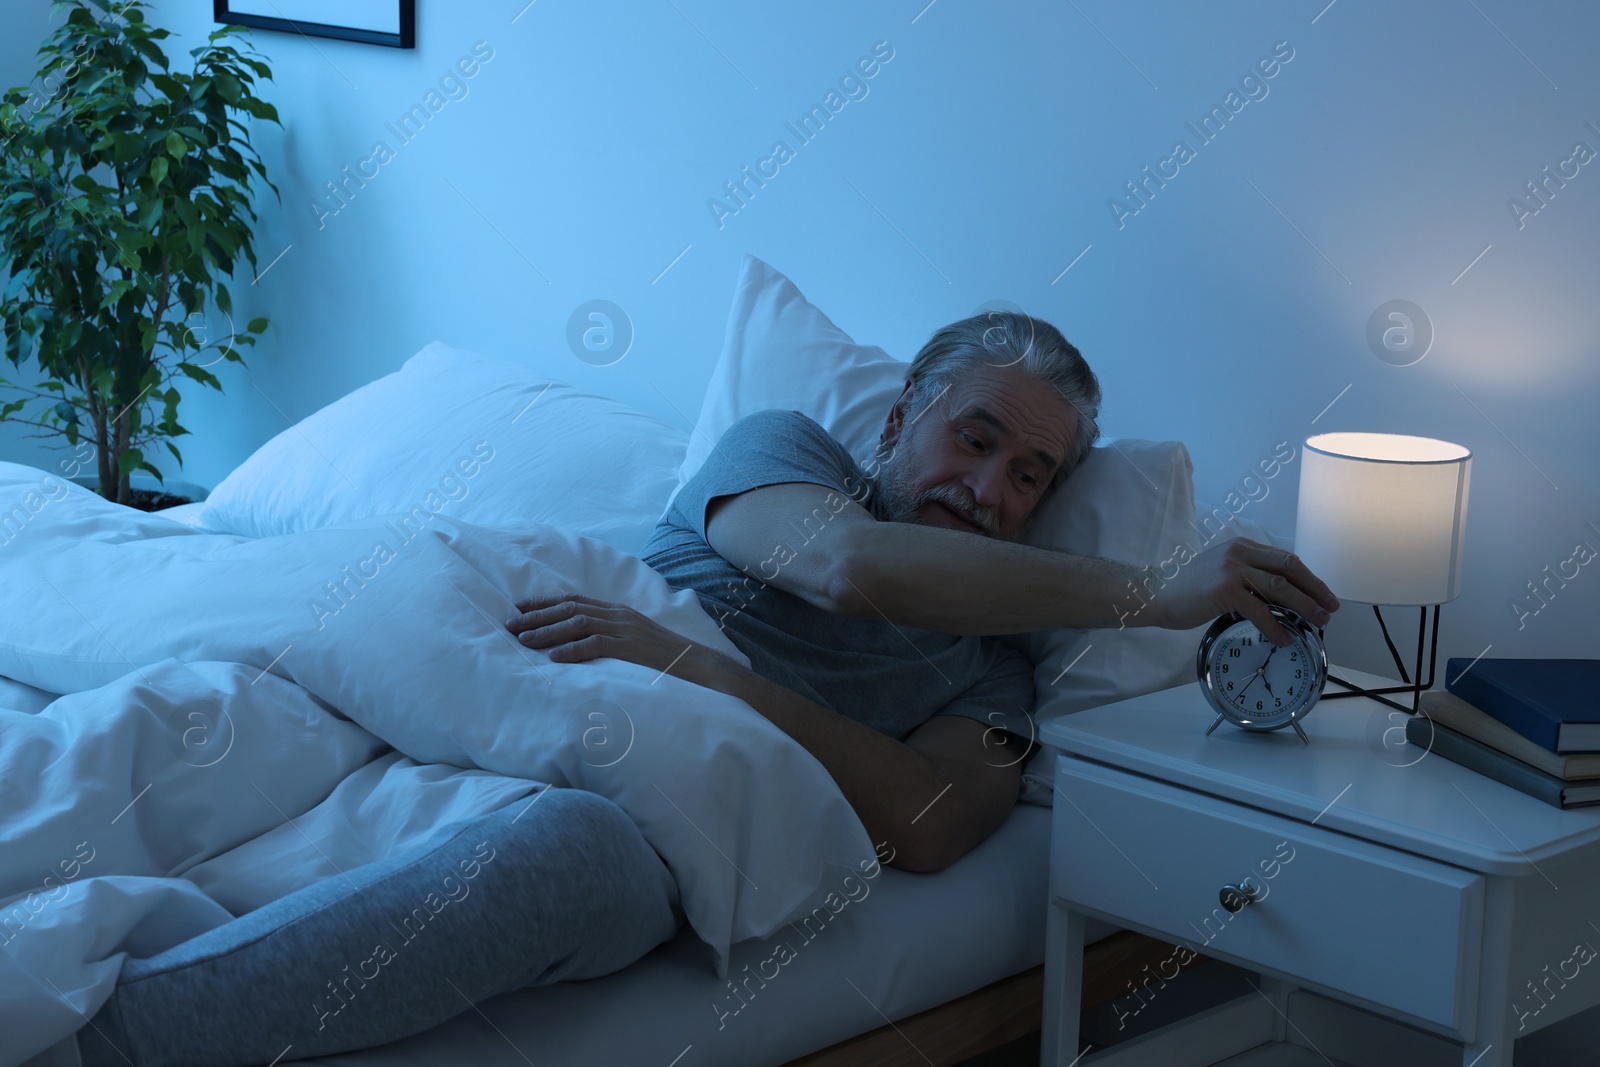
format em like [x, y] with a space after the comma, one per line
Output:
[1380, 519]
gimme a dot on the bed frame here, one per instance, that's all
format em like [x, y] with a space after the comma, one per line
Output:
[995, 1015]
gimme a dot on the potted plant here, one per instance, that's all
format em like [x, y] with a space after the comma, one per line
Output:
[125, 204]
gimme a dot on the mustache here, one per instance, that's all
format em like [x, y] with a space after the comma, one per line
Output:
[966, 507]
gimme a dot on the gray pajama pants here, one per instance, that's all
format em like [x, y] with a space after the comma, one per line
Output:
[566, 888]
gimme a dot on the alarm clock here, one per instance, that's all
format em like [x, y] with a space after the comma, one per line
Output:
[1253, 683]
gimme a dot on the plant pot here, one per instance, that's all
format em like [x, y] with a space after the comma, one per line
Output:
[151, 495]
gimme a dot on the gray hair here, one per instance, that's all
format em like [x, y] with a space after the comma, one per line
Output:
[1004, 338]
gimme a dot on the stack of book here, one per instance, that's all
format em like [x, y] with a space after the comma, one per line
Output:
[1533, 724]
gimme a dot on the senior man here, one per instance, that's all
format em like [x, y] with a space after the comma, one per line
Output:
[867, 602]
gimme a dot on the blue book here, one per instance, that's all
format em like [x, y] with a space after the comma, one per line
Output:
[1555, 703]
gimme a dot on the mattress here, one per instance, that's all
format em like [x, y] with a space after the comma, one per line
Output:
[913, 942]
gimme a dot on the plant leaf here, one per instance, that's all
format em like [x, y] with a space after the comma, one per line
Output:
[200, 374]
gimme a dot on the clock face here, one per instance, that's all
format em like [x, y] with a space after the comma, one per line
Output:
[1256, 684]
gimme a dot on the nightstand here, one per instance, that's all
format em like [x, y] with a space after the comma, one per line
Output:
[1384, 879]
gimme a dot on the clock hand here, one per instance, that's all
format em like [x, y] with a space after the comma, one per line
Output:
[1262, 670]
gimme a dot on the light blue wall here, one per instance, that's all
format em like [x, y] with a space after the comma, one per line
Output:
[1228, 312]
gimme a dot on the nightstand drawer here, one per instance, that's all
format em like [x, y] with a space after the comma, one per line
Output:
[1370, 922]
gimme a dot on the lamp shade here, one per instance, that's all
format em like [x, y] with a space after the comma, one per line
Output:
[1381, 516]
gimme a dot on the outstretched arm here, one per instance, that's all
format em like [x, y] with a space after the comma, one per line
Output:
[931, 798]
[966, 583]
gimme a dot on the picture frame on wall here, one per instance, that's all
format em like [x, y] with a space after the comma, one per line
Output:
[386, 22]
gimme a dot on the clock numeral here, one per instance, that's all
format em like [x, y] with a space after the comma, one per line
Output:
[1258, 705]
[1235, 653]
[1230, 687]
[1294, 655]
[1224, 668]
[1297, 672]
[1277, 703]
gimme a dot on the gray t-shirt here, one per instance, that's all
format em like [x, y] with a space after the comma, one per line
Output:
[890, 677]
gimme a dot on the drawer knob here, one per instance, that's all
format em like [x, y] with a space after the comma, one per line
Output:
[1235, 897]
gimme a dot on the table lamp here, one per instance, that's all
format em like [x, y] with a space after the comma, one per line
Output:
[1380, 520]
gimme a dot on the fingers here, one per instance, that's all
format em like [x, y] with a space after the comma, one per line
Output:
[578, 651]
[1257, 611]
[1290, 565]
[535, 602]
[543, 610]
[1279, 590]
[1281, 577]
[542, 633]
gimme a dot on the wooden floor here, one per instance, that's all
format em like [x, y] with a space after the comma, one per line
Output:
[997, 1025]
[1023, 1052]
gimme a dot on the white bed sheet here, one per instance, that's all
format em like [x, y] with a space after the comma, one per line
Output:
[188, 514]
[914, 942]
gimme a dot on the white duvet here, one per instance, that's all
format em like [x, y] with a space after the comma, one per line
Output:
[247, 716]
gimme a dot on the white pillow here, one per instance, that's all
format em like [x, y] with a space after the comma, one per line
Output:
[478, 438]
[1217, 524]
[1129, 499]
[780, 351]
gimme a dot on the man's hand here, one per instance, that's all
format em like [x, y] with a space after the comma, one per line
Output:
[1241, 575]
[575, 628]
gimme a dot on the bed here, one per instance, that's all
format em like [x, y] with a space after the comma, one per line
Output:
[480, 459]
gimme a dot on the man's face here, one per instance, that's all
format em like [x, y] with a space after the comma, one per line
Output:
[980, 458]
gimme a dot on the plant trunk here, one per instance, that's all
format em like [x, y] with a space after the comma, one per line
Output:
[102, 433]
[105, 462]
[124, 493]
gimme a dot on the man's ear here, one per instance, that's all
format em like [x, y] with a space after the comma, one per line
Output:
[895, 421]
